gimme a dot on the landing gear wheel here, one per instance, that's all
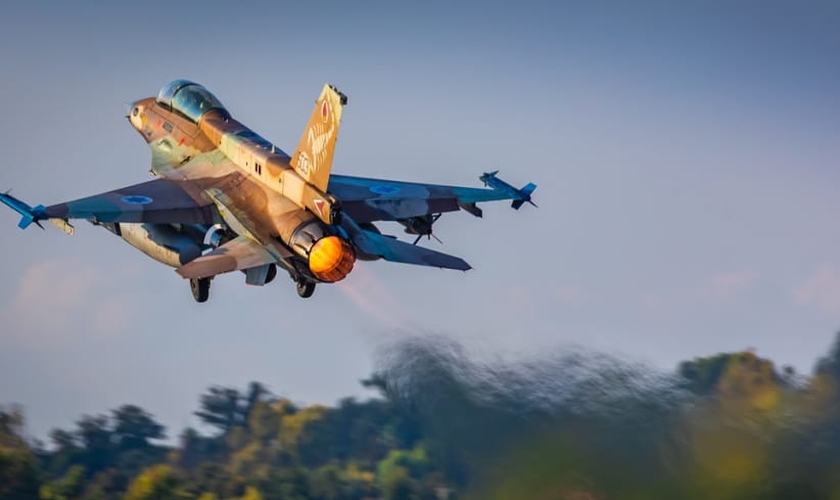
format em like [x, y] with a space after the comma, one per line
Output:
[305, 288]
[200, 289]
[272, 273]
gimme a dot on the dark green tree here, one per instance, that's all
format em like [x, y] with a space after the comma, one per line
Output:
[11, 427]
[220, 408]
[19, 478]
[95, 437]
[134, 427]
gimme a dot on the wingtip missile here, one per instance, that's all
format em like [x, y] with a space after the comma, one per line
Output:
[525, 194]
[28, 214]
[519, 196]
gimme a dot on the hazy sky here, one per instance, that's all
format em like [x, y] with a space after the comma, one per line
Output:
[686, 155]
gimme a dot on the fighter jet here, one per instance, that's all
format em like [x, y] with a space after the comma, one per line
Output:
[224, 199]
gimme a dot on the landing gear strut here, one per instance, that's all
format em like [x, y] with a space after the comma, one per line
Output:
[200, 289]
[305, 288]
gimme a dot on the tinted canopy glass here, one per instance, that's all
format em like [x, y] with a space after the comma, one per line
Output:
[188, 98]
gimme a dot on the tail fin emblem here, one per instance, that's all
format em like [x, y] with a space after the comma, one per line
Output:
[325, 111]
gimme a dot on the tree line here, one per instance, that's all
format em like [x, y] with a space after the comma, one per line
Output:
[572, 425]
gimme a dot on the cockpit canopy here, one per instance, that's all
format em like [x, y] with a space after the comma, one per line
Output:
[188, 98]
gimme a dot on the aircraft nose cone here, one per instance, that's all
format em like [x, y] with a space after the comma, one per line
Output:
[129, 106]
[134, 114]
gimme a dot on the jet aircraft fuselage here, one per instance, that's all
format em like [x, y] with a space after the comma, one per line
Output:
[193, 138]
[226, 199]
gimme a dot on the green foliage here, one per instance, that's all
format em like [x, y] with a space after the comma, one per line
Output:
[19, 478]
[11, 428]
[414, 463]
[730, 427]
[69, 487]
[160, 482]
[251, 493]
[702, 375]
[225, 407]
[134, 427]
[220, 408]
[217, 479]
[107, 484]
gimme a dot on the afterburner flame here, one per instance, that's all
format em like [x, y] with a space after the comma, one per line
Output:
[331, 259]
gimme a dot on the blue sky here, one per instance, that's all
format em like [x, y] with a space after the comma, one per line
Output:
[685, 152]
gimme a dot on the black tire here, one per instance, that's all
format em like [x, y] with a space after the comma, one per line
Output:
[272, 273]
[200, 289]
[305, 288]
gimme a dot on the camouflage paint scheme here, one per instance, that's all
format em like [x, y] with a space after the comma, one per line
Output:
[225, 199]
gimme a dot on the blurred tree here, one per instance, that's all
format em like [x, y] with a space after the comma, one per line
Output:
[215, 478]
[106, 485]
[69, 487]
[251, 493]
[94, 434]
[327, 484]
[220, 408]
[293, 427]
[66, 452]
[702, 375]
[225, 407]
[19, 479]
[11, 427]
[285, 483]
[249, 460]
[399, 486]
[134, 427]
[829, 365]
[742, 382]
[256, 394]
[195, 449]
[160, 482]
[750, 383]
[264, 422]
[404, 428]
[413, 462]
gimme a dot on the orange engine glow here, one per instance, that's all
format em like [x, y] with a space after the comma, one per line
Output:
[331, 259]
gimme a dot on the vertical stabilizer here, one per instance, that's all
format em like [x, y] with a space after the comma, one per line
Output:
[313, 158]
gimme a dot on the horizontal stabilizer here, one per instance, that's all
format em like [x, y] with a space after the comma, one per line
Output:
[237, 254]
[394, 250]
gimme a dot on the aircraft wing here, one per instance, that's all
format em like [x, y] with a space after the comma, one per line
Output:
[239, 253]
[156, 201]
[369, 200]
[394, 250]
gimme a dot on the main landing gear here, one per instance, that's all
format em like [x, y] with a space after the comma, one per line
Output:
[305, 288]
[200, 289]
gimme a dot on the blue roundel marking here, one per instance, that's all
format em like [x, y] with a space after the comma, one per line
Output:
[384, 189]
[137, 200]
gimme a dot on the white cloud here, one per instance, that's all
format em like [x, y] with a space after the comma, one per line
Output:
[61, 298]
[822, 290]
